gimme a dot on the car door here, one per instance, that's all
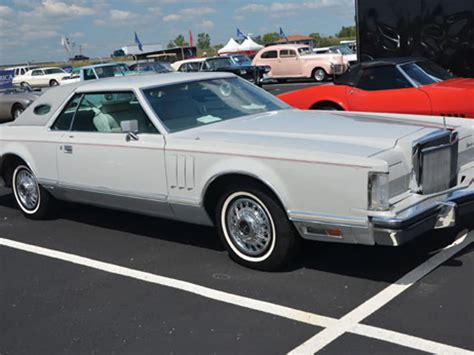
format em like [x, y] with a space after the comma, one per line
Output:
[289, 64]
[37, 78]
[385, 89]
[270, 58]
[100, 164]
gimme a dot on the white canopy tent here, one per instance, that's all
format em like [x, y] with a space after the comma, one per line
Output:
[231, 47]
[250, 45]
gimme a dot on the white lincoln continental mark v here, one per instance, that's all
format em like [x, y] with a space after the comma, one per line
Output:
[212, 149]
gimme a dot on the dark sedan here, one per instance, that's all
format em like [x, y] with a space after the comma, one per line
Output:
[251, 73]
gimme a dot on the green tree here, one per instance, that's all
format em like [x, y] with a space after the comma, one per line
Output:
[316, 36]
[349, 31]
[171, 44]
[204, 41]
[271, 37]
[180, 41]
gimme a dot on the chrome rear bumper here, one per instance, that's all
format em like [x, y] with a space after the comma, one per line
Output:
[420, 219]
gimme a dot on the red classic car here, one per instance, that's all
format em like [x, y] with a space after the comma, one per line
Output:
[396, 85]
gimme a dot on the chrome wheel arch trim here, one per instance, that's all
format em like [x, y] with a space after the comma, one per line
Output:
[243, 173]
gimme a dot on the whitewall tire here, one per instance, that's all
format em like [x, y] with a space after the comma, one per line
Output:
[32, 199]
[255, 229]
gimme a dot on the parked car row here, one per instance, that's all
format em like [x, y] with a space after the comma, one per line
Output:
[237, 65]
[237, 158]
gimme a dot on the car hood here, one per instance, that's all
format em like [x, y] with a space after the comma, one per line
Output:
[309, 131]
[457, 83]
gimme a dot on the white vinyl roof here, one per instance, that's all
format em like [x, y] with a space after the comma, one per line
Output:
[55, 97]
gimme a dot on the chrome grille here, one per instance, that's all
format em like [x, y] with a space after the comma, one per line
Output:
[338, 68]
[436, 162]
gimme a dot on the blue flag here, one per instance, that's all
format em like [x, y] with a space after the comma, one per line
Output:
[282, 34]
[139, 44]
[241, 35]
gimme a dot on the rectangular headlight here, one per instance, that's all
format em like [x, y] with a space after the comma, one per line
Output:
[379, 193]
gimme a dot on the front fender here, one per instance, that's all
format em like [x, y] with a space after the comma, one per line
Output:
[305, 99]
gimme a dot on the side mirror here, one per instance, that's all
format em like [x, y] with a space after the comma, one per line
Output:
[131, 128]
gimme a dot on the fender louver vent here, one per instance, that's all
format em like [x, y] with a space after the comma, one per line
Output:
[182, 174]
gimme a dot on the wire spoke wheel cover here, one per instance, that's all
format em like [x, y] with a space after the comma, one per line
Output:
[248, 226]
[26, 190]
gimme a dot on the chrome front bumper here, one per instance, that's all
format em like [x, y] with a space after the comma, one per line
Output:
[417, 220]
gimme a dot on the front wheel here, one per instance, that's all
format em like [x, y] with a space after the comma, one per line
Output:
[255, 229]
[32, 199]
[53, 83]
[319, 75]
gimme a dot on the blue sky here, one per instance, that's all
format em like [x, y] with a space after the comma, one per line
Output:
[30, 30]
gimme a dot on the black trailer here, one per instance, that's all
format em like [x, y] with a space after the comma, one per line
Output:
[441, 30]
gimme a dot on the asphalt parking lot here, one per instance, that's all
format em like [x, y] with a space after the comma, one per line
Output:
[100, 281]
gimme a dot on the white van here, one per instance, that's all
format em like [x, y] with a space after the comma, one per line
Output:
[21, 70]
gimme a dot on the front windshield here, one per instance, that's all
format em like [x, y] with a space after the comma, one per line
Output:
[54, 71]
[208, 102]
[426, 72]
[242, 59]
[344, 50]
[217, 63]
[305, 51]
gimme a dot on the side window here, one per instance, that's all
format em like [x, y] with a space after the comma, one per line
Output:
[105, 112]
[37, 72]
[269, 55]
[89, 74]
[64, 120]
[382, 78]
[287, 53]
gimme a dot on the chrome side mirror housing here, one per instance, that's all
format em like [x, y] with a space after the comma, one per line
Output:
[131, 129]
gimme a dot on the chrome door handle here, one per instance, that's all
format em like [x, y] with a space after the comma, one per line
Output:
[68, 149]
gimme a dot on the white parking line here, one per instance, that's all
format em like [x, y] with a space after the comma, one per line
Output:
[221, 296]
[350, 322]
[405, 340]
[333, 327]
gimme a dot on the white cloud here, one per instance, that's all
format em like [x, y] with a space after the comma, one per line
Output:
[172, 17]
[189, 13]
[58, 8]
[288, 6]
[254, 8]
[119, 15]
[206, 25]
[198, 11]
[5, 11]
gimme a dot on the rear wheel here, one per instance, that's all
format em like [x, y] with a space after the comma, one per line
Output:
[319, 75]
[255, 229]
[32, 199]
